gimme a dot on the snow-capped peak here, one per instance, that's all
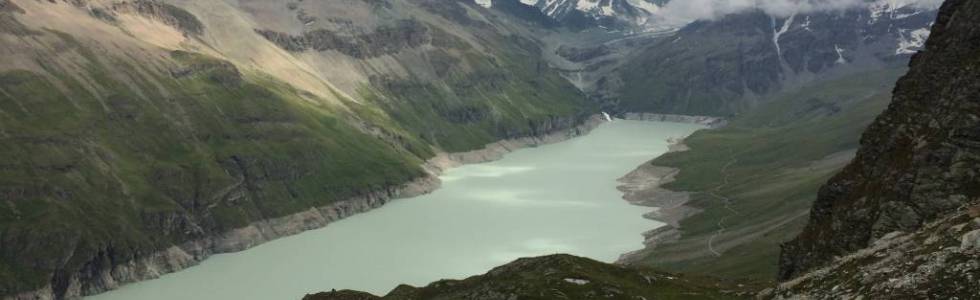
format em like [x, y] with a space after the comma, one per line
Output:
[636, 12]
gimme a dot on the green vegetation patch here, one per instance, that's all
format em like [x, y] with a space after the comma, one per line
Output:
[95, 169]
[480, 99]
[755, 180]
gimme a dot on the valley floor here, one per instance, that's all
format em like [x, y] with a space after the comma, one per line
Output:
[433, 235]
[735, 193]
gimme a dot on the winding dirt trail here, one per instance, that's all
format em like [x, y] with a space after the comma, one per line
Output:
[726, 200]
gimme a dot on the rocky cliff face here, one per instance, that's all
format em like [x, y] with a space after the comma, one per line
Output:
[384, 40]
[917, 165]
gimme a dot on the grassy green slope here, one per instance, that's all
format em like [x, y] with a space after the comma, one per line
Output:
[512, 93]
[103, 177]
[768, 164]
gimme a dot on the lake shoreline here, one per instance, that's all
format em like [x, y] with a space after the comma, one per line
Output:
[644, 187]
[178, 257]
[707, 121]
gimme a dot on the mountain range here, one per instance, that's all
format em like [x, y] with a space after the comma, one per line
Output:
[141, 137]
[900, 221]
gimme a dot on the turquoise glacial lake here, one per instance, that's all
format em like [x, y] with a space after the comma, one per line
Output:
[558, 198]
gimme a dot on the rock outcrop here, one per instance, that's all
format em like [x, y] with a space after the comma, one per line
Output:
[558, 277]
[938, 261]
[166, 13]
[710, 122]
[919, 163]
[384, 40]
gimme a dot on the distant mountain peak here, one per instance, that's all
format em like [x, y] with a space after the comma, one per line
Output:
[663, 15]
[607, 14]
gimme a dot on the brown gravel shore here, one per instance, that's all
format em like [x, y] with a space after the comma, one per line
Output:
[643, 187]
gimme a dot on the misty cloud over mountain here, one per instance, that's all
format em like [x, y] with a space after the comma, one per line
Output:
[684, 11]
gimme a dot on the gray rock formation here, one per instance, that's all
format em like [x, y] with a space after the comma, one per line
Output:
[919, 161]
[384, 40]
[929, 263]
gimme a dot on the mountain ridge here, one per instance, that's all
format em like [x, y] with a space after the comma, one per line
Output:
[727, 66]
[135, 128]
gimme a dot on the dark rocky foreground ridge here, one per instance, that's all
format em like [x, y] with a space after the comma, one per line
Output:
[558, 277]
[938, 261]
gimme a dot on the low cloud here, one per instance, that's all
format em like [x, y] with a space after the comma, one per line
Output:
[683, 11]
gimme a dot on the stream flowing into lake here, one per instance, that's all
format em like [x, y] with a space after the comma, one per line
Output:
[558, 198]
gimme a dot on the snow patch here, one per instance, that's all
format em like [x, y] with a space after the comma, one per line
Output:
[913, 42]
[645, 16]
[647, 6]
[840, 54]
[586, 5]
[777, 33]
[608, 9]
[485, 3]
[806, 24]
[899, 9]
[577, 281]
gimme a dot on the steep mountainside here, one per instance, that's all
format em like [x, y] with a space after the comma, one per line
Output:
[918, 164]
[139, 137]
[727, 66]
[558, 277]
